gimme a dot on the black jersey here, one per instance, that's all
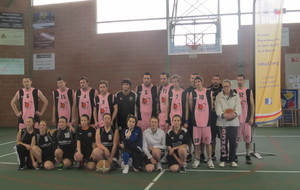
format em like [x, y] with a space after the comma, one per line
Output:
[86, 138]
[126, 106]
[215, 91]
[107, 138]
[174, 140]
[44, 141]
[64, 139]
[26, 137]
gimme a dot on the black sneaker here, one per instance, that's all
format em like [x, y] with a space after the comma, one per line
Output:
[182, 169]
[203, 159]
[236, 159]
[213, 156]
[248, 160]
[40, 166]
[189, 158]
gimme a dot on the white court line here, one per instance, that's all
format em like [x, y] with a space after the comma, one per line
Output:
[154, 180]
[9, 163]
[246, 171]
[278, 136]
[7, 154]
[7, 143]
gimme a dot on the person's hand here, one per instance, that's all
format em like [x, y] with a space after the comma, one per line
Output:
[153, 161]
[171, 151]
[34, 164]
[128, 134]
[19, 114]
[38, 113]
[250, 122]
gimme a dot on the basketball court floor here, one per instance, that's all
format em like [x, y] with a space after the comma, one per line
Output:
[272, 172]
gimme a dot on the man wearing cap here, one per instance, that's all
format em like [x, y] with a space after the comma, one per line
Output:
[125, 99]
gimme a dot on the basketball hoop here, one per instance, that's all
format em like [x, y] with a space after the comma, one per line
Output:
[193, 50]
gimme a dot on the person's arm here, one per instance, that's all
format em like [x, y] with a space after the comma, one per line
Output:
[95, 116]
[74, 110]
[33, 143]
[218, 107]
[145, 146]
[78, 146]
[19, 140]
[115, 144]
[251, 120]
[115, 112]
[14, 105]
[45, 103]
[162, 146]
[53, 110]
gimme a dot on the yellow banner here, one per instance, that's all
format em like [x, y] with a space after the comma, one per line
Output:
[268, 25]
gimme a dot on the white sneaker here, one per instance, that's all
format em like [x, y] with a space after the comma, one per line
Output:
[234, 164]
[222, 164]
[196, 164]
[210, 164]
[158, 167]
[126, 169]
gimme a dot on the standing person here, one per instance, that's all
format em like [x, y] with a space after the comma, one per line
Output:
[177, 102]
[23, 146]
[125, 99]
[42, 149]
[64, 144]
[62, 102]
[107, 142]
[163, 93]
[188, 90]
[154, 145]
[104, 103]
[228, 122]
[201, 102]
[131, 144]
[177, 141]
[247, 116]
[216, 88]
[85, 135]
[84, 101]
[29, 99]
[146, 101]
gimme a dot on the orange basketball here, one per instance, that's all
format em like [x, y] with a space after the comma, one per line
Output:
[103, 166]
[230, 113]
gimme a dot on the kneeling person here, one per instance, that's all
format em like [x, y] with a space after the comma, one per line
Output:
[154, 145]
[42, 149]
[177, 140]
[64, 144]
[85, 143]
[107, 141]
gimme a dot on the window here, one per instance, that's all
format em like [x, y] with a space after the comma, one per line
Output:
[48, 2]
[130, 15]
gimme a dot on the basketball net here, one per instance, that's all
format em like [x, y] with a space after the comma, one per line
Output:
[193, 50]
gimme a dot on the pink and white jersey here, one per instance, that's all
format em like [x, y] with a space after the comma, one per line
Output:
[163, 106]
[63, 104]
[28, 103]
[243, 97]
[201, 108]
[103, 107]
[84, 104]
[176, 104]
[146, 101]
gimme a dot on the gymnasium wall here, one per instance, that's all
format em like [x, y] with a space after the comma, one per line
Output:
[80, 51]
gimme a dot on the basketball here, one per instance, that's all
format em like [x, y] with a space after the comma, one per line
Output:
[103, 166]
[230, 114]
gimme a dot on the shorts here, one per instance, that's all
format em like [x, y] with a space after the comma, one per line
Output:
[171, 160]
[68, 153]
[201, 135]
[244, 131]
[47, 155]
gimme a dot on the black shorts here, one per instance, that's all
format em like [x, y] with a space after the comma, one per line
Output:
[215, 132]
[68, 153]
[171, 160]
[47, 155]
